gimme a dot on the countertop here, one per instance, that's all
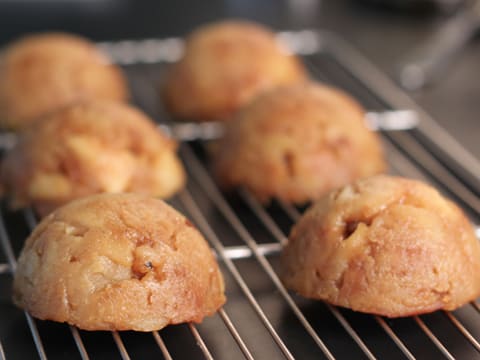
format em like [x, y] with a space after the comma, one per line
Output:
[385, 37]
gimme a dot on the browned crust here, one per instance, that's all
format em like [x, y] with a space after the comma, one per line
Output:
[87, 148]
[296, 143]
[118, 262]
[41, 73]
[384, 245]
[224, 66]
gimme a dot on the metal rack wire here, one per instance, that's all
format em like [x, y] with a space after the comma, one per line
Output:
[261, 318]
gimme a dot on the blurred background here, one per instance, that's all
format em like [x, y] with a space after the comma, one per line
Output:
[427, 46]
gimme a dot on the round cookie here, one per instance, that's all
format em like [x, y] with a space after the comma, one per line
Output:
[384, 245]
[224, 66]
[296, 143]
[87, 148]
[118, 262]
[42, 73]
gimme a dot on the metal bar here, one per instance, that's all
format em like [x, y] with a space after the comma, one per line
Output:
[233, 330]
[161, 345]
[475, 305]
[7, 247]
[6, 244]
[31, 221]
[309, 42]
[186, 132]
[348, 328]
[405, 166]
[145, 51]
[340, 318]
[275, 230]
[385, 90]
[463, 330]
[149, 52]
[400, 163]
[417, 319]
[432, 337]
[394, 337]
[120, 345]
[78, 341]
[200, 342]
[381, 85]
[167, 50]
[262, 215]
[197, 215]
[390, 120]
[242, 252]
[428, 61]
[36, 336]
[30, 218]
[429, 163]
[290, 210]
[4, 268]
[225, 209]
[2, 353]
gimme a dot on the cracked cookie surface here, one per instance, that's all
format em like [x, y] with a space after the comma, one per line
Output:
[384, 245]
[118, 262]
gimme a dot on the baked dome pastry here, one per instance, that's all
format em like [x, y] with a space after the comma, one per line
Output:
[225, 64]
[44, 72]
[92, 147]
[118, 262]
[384, 245]
[295, 143]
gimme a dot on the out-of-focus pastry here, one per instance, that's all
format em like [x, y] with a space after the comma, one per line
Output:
[384, 245]
[42, 73]
[224, 66]
[296, 143]
[118, 262]
[87, 148]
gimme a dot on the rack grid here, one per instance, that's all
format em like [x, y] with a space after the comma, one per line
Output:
[262, 319]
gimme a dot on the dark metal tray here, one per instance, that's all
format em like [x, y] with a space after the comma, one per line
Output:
[261, 318]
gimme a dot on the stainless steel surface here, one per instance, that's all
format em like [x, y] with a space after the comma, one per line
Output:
[261, 319]
[389, 120]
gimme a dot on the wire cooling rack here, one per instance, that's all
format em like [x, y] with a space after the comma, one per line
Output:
[261, 319]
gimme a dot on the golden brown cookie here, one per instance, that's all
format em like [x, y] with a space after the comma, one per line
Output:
[225, 65]
[384, 245]
[118, 262]
[41, 73]
[295, 143]
[87, 148]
